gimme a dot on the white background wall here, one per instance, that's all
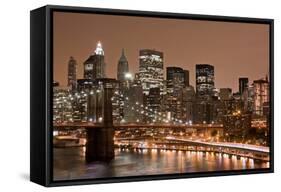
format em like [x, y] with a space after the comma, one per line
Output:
[14, 93]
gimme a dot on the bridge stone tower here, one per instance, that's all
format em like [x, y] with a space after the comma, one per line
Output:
[100, 144]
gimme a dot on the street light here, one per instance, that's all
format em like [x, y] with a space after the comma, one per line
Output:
[100, 119]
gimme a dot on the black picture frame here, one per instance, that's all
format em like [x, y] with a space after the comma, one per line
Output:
[41, 78]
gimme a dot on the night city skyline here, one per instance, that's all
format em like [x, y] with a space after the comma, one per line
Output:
[208, 46]
[158, 96]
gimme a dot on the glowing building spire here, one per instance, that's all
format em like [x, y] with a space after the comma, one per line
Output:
[99, 50]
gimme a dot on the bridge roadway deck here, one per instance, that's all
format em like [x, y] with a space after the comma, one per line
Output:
[239, 146]
[135, 126]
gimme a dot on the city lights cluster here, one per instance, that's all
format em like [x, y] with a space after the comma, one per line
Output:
[158, 116]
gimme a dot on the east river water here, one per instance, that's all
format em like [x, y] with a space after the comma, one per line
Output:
[69, 163]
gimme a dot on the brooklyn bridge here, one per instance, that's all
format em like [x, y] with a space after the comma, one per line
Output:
[101, 142]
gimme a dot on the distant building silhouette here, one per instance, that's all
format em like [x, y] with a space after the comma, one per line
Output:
[243, 84]
[123, 67]
[72, 73]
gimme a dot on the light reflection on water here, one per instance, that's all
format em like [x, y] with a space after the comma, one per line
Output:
[69, 163]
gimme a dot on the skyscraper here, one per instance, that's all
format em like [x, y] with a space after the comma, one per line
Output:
[151, 70]
[94, 66]
[72, 70]
[62, 104]
[171, 71]
[123, 67]
[248, 98]
[261, 95]
[186, 78]
[175, 78]
[202, 111]
[204, 80]
[187, 99]
[133, 111]
[243, 83]
[153, 103]
[177, 74]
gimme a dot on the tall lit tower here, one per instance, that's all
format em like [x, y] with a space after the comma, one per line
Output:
[151, 70]
[72, 70]
[94, 66]
[204, 80]
[123, 67]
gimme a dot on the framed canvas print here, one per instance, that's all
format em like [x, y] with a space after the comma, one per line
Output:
[119, 95]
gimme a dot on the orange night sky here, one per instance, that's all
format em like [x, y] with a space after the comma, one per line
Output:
[235, 49]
